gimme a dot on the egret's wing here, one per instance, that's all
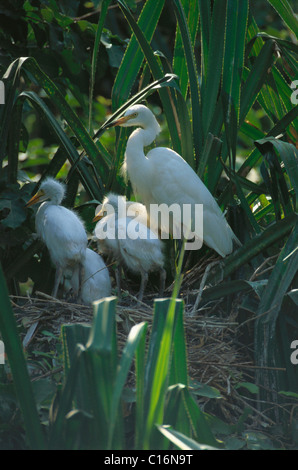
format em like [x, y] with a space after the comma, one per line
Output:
[63, 225]
[63, 233]
[175, 182]
[140, 247]
[181, 183]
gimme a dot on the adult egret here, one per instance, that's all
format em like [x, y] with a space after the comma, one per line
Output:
[164, 177]
[123, 233]
[61, 230]
[96, 283]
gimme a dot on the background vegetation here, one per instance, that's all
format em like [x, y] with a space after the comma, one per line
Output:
[218, 75]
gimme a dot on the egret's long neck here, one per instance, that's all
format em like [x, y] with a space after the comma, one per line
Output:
[139, 139]
[136, 165]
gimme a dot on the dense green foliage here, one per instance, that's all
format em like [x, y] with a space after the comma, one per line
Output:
[222, 89]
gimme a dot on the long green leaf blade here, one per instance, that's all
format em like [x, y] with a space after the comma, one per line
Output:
[286, 12]
[134, 56]
[100, 25]
[157, 73]
[197, 123]
[14, 352]
[215, 62]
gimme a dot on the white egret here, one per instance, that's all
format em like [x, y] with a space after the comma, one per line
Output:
[96, 283]
[164, 177]
[61, 230]
[123, 233]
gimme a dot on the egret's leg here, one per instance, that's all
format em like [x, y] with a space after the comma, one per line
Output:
[144, 280]
[118, 279]
[81, 279]
[58, 276]
[163, 275]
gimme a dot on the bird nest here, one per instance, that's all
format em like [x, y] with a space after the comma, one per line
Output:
[215, 359]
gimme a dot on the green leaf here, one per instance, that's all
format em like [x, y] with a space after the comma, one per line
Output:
[134, 55]
[288, 154]
[102, 17]
[181, 441]
[17, 213]
[215, 62]
[256, 79]
[284, 9]
[89, 183]
[275, 232]
[159, 367]
[157, 73]
[237, 18]
[136, 334]
[17, 362]
[268, 348]
[197, 123]
[191, 9]
[252, 388]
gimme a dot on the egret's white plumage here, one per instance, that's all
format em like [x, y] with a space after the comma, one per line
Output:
[125, 235]
[60, 229]
[96, 283]
[164, 177]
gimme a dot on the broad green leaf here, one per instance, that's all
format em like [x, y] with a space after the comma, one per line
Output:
[288, 154]
[181, 441]
[157, 73]
[197, 123]
[255, 79]
[18, 365]
[215, 62]
[136, 335]
[191, 9]
[272, 234]
[205, 26]
[237, 17]
[284, 9]
[134, 55]
[32, 68]
[100, 25]
[92, 189]
[268, 339]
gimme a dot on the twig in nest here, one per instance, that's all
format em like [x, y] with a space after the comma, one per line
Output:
[257, 271]
[202, 285]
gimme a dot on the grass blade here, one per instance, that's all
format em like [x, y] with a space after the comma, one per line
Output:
[181, 441]
[237, 18]
[136, 334]
[157, 73]
[134, 56]
[215, 62]
[91, 187]
[256, 78]
[197, 123]
[100, 25]
[285, 11]
[191, 9]
[267, 352]
[253, 247]
[14, 352]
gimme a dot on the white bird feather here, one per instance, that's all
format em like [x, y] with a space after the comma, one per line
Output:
[129, 240]
[164, 177]
[60, 229]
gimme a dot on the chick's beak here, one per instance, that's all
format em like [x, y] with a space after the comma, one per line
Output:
[35, 198]
[98, 216]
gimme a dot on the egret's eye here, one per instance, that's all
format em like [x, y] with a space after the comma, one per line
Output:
[134, 115]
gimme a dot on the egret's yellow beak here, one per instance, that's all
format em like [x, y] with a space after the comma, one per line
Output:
[36, 198]
[122, 120]
[98, 216]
